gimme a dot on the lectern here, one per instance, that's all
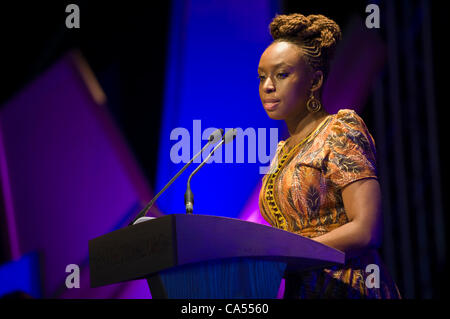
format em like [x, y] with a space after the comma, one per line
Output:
[200, 256]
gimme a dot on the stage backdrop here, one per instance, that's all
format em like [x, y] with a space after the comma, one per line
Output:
[211, 81]
[67, 177]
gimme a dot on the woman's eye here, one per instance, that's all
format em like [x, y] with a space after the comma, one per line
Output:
[283, 75]
[261, 77]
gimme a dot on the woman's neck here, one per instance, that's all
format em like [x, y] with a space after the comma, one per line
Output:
[304, 124]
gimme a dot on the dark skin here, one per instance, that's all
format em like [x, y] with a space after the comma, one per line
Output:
[286, 83]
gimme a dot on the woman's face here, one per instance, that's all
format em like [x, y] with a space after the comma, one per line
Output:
[285, 81]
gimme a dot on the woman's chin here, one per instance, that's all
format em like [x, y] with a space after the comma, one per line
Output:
[275, 115]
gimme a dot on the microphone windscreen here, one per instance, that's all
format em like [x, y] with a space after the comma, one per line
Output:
[216, 136]
[230, 135]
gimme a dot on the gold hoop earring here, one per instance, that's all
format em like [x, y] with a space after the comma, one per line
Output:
[313, 105]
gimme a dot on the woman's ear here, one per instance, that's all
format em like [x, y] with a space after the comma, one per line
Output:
[317, 80]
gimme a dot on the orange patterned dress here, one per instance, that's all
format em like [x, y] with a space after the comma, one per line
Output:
[302, 194]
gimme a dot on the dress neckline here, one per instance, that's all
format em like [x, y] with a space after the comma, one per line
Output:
[312, 134]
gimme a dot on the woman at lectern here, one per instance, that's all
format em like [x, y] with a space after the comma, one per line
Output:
[323, 182]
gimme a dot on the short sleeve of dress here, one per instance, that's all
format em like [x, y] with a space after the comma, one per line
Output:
[350, 150]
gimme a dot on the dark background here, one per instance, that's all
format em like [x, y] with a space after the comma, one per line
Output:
[125, 44]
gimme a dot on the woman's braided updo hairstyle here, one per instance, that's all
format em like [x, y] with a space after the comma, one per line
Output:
[316, 35]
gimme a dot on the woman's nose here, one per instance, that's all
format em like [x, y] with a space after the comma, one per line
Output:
[268, 85]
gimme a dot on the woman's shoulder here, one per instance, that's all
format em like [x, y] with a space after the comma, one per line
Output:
[347, 129]
[348, 118]
[348, 122]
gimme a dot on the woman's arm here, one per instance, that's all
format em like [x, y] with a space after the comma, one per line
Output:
[362, 203]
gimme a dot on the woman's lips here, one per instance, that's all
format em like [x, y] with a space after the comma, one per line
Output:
[270, 105]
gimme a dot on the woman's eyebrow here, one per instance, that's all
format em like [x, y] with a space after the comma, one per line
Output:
[281, 64]
[276, 66]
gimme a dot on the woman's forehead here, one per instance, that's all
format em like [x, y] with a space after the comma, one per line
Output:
[279, 54]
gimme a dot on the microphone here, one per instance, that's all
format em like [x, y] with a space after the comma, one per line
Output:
[189, 196]
[213, 139]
